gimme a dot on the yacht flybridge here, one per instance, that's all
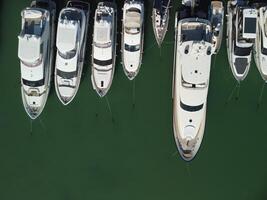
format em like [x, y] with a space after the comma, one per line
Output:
[104, 47]
[71, 43]
[132, 37]
[192, 62]
[35, 51]
[160, 19]
[241, 34]
[260, 46]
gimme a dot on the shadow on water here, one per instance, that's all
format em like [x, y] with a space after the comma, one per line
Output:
[236, 87]
[2, 17]
[59, 5]
[109, 108]
[261, 95]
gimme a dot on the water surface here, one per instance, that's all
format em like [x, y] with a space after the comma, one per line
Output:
[88, 151]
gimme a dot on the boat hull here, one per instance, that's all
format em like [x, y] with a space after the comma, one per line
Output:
[67, 94]
[132, 60]
[159, 30]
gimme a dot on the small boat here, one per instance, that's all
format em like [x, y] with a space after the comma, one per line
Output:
[71, 44]
[104, 47]
[260, 47]
[132, 37]
[216, 18]
[191, 73]
[35, 51]
[241, 34]
[160, 19]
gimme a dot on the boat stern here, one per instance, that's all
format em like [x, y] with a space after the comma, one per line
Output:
[240, 67]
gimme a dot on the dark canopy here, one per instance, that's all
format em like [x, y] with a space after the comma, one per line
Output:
[161, 5]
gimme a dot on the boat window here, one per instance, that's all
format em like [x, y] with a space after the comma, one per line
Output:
[191, 108]
[68, 55]
[33, 83]
[244, 51]
[216, 33]
[250, 25]
[132, 48]
[103, 62]
[66, 75]
[263, 50]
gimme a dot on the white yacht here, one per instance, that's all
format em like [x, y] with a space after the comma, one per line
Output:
[104, 47]
[191, 73]
[35, 51]
[160, 19]
[71, 44]
[132, 37]
[216, 18]
[241, 34]
[260, 47]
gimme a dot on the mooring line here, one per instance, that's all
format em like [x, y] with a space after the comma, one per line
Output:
[261, 94]
[133, 94]
[109, 108]
[232, 93]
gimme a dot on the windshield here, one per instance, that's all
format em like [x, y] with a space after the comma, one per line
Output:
[132, 48]
[263, 50]
[192, 85]
[68, 55]
[33, 83]
[244, 51]
[102, 62]
[102, 45]
[66, 75]
[132, 31]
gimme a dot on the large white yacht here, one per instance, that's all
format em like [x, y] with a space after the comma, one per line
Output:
[241, 34]
[191, 72]
[160, 19]
[104, 47]
[35, 51]
[132, 37]
[216, 18]
[71, 44]
[260, 47]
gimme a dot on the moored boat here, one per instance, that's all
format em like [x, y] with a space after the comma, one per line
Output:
[260, 47]
[132, 37]
[104, 47]
[160, 19]
[35, 51]
[241, 34]
[71, 44]
[193, 52]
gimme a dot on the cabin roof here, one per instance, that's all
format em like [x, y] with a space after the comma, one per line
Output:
[102, 32]
[29, 50]
[67, 35]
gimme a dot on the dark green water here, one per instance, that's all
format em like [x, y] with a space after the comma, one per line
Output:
[82, 152]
